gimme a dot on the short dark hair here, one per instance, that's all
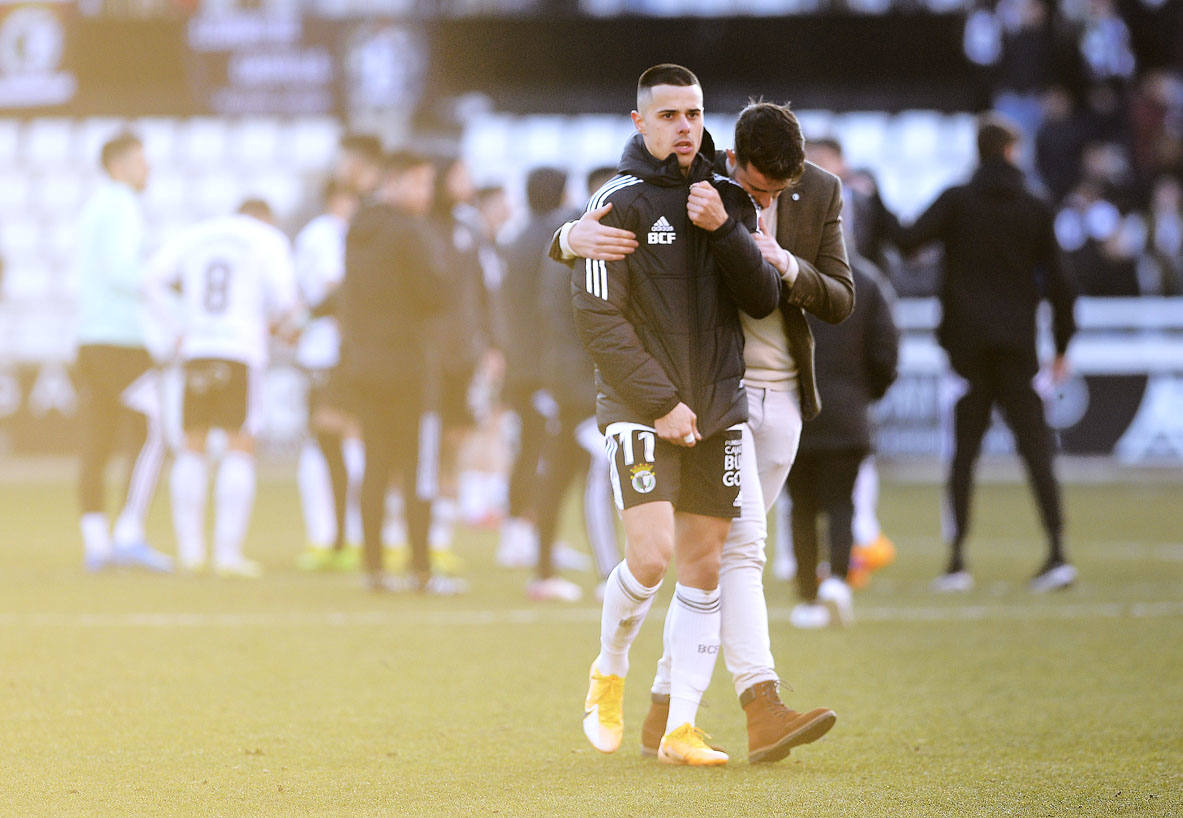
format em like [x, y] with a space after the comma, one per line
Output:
[544, 189]
[996, 133]
[667, 73]
[596, 177]
[768, 137]
[117, 146]
[403, 159]
[365, 144]
[334, 187]
[257, 208]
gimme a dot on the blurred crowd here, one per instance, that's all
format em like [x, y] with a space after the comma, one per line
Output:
[1097, 88]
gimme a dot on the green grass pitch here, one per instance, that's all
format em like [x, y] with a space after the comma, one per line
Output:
[297, 694]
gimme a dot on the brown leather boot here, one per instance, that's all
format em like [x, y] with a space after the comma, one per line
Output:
[653, 729]
[773, 729]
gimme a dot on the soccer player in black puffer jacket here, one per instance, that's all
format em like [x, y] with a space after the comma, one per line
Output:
[663, 329]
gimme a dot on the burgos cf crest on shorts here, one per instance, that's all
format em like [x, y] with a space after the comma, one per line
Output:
[642, 477]
[662, 232]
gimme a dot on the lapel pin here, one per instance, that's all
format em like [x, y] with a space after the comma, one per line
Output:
[796, 197]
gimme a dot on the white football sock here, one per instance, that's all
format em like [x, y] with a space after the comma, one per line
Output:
[188, 487]
[96, 536]
[355, 466]
[443, 523]
[865, 524]
[316, 496]
[234, 496]
[694, 644]
[129, 529]
[626, 602]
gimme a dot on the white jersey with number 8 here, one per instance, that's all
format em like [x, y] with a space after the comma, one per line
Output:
[236, 280]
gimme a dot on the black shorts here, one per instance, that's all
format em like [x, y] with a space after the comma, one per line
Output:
[217, 395]
[703, 479]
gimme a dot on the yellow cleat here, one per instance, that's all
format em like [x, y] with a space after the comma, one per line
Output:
[688, 745]
[603, 717]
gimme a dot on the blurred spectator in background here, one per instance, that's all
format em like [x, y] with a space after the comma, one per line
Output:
[518, 546]
[1091, 231]
[1164, 238]
[1001, 260]
[331, 461]
[1156, 120]
[867, 223]
[359, 163]
[543, 287]
[465, 331]
[1058, 143]
[119, 390]
[484, 462]
[397, 281]
[856, 363]
[236, 282]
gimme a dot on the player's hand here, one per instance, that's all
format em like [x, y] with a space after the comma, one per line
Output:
[705, 208]
[1060, 369]
[773, 253]
[590, 239]
[679, 426]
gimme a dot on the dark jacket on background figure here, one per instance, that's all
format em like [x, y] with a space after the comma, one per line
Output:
[394, 287]
[856, 363]
[1001, 259]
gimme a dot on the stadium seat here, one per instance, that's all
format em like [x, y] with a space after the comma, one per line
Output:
[16, 186]
[48, 143]
[203, 142]
[59, 193]
[916, 135]
[312, 143]
[862, 135]
[254, 142]
[10, 136]
[160, 138]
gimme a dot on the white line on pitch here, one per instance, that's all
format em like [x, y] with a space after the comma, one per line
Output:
[540, 616]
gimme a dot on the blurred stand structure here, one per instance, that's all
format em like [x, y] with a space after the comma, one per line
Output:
[250, 98]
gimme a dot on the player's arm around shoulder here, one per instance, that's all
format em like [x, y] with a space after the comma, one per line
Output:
[824, 285]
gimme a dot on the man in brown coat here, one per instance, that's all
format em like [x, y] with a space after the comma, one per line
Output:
[800, 210]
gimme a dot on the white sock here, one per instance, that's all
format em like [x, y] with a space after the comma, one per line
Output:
[626, 602]
[96, 537]
[355, 466]
[443, 523]
[316, 496]
[234, 496]
[394, 527]
[188, 485]
[694, 644]
[129, 529]
[865, 523]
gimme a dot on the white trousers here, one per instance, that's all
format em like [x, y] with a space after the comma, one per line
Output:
[770, 439]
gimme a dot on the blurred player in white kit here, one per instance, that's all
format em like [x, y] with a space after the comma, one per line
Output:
[236, 282]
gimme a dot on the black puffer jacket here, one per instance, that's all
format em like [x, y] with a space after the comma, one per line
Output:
[662, 325]
[394, 287]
